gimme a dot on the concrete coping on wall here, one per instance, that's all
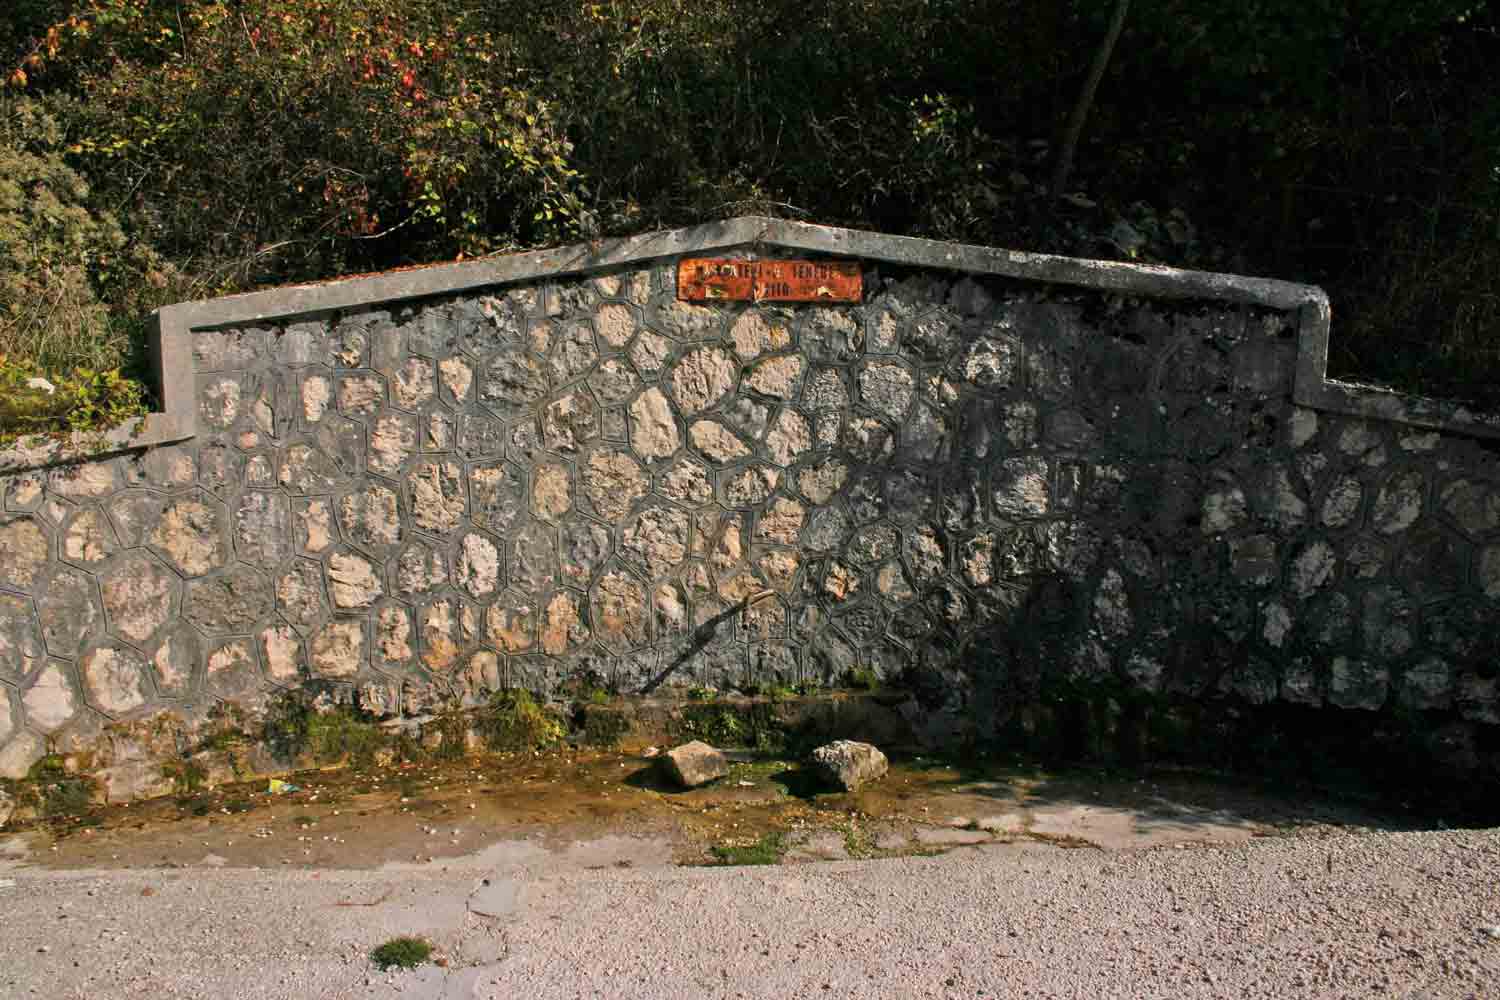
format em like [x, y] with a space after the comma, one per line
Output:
[171, 337]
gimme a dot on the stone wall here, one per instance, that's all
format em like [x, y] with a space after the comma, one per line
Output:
[965, 482]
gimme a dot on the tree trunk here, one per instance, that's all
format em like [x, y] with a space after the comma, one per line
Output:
[1081, 109]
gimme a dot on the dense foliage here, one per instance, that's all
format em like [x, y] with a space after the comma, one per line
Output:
[198, 146]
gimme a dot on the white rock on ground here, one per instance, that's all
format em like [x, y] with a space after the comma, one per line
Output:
[695, 763]
[849, 764]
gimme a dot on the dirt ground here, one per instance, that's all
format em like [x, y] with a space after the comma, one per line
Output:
[423, 813]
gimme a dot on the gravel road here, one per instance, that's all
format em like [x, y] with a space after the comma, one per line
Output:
[1333, 915]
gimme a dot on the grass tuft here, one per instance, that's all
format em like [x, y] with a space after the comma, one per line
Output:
[402, 953]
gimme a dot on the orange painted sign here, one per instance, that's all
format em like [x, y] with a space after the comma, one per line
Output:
[702, 279]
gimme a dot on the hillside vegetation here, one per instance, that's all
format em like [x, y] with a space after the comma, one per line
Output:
[153, 150]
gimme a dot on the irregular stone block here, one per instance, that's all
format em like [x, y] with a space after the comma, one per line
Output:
[113, 676]
[653, 428]
[437, 496]
[701, 378]
[1399, 503]
[140, 595]
[50, 702]
[612, 481]
[68, 610]
[693, 764]
[656, 540]
[338, 649]
[23, 552]
[848, 764]
[230, 603]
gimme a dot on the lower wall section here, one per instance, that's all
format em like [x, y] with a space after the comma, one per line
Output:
[971, 491]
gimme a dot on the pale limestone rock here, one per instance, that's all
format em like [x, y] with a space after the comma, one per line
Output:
[822, 482]
[684, 320]
[615, 324]
[281, 648]
[263, 527]
[392, 441]
[694, 764]
[887, 388]
[231, 670]
[701, 378]
[619, 611]
[420, 569]
[779, 567]
[848, 765]
[776, 377]
[219, 402]
[789, 438]
[1223, 510]
[1112, 615]
[87, 539]
[361, 395]
[891, 582]
[562, 630]
[1312, 568]
[18, 756]
[730, 549]
[414, 383]
[511, 626]
[230, 603]
[716, 442]
[653, 429]
[1399, 503]
[439, 634]
[649, 353]
[782, 522]
[352, 581]
[338, 649]
[992, 362]
[457, 377]
[671, 609]
[112, 678]
[478, 565]
[317, 393]
[138, 595]
[1276, 623]
[50, 701]
[437, 493]
[551, 491]
[299, 594]
[371, 516]
[756, 332]
[1474, 507]
[1303, 426]
[751, 485]
[976, 558]
[570, 423]
[657, 539]
[317, 523]
[190, 535]
[687, 482]
[840, 582]
[613, 481]
[393, 634]
[1341, 505]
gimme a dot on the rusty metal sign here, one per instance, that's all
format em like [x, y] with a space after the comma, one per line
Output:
[703, 279]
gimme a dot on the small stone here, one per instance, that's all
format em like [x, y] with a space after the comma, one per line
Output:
[848, 764]
[716, 442]
[694, 764]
